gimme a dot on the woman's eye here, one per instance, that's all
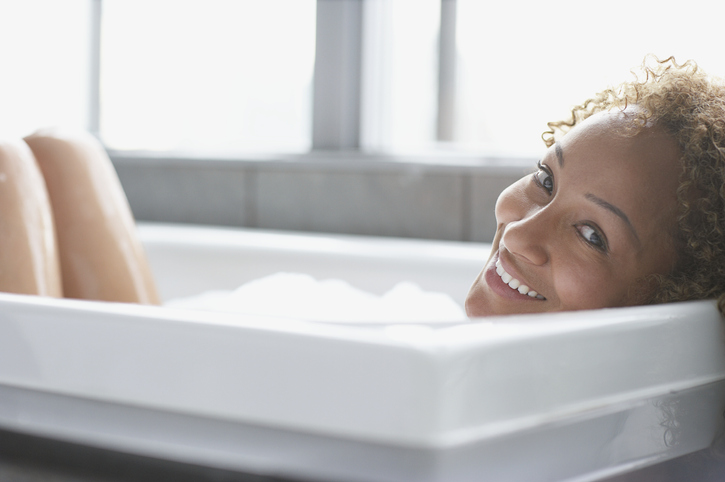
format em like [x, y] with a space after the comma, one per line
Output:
[544, 179]
[592, 236]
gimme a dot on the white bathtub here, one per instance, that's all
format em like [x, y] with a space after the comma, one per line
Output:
[573, 396]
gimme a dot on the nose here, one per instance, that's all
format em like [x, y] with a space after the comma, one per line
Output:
[528, 226]
[528, 238]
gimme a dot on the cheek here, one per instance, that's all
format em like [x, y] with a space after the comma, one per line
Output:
[584, 286]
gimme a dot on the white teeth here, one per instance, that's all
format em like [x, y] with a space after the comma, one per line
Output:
[516, 284]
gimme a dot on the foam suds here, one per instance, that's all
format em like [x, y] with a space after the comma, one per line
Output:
[303, 297]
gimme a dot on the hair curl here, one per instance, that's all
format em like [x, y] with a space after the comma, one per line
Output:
[690, 106]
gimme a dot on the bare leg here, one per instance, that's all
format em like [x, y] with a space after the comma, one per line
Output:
[101, 257]
[29, 255]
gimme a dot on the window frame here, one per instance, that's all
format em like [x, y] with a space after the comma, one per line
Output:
[152, 178]
[337, 92]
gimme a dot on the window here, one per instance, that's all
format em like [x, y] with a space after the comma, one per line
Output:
[400, 80]
[240, 76]
[212, 75]
[522, 64]
[45, 64]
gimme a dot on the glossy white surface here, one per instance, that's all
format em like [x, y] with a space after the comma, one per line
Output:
[576, 395]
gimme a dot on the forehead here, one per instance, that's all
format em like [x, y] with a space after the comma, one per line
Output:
[608, 141]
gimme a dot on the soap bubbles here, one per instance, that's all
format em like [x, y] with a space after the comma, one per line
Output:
[300, 296]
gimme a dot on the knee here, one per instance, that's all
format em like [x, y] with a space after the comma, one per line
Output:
[29, 258]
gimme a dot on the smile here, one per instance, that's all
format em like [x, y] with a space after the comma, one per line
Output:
[515, 284]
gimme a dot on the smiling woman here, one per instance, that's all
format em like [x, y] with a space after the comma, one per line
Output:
[584, 230]
[625, 208]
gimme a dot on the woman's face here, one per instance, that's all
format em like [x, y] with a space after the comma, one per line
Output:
[584, 229]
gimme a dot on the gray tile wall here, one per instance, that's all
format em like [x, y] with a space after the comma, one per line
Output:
[186, 194]
[386, 204]
[368, 198]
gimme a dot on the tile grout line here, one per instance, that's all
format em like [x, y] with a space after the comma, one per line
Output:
[466, 208]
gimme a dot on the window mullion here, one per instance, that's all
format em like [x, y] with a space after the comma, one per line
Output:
[447, 72]
[94, 81]
[338, 58]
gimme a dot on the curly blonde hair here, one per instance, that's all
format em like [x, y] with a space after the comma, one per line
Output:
[690, 106]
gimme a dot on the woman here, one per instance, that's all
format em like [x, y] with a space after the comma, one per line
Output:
[627, 207]
[585, 231]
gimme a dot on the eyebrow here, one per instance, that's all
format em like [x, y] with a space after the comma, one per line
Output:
[610, 207]
[559, 154]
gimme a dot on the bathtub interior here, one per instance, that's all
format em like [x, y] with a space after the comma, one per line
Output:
[193, 260]
[578, 396]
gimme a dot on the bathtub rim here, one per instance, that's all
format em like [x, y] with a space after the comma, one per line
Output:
[435, 352]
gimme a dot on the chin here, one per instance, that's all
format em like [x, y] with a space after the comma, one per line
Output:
[476, 305]
[471, 310]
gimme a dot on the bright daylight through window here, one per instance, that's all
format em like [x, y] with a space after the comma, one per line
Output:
[44, 54]
[222, 75]
[237, 76]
